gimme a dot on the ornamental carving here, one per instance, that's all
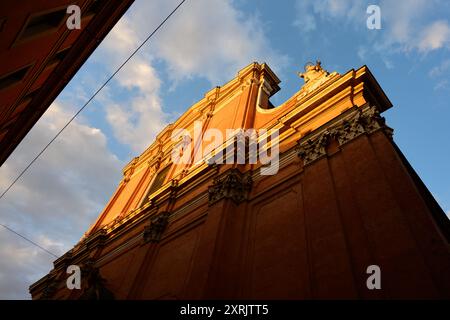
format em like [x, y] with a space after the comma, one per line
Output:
[360, 122]
[232, 185]
[95, 288]
[314, 149]
[158, 224]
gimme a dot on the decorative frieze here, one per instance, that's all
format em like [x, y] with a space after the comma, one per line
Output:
[158, 224]
[232, 185]
[360, 121]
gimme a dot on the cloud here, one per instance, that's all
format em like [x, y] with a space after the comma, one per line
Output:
[22, 264]
[205, 38]
[441, 69]
[191, 44]
[406, 24]
[440, 74]
[212, 39]
[435, 36]
[362, 53]
[56, 200]
[311, 13]
[401, 20]
[132, 102]
[441, 85]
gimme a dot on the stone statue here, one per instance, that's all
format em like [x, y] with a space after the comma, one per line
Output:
[314, 76]
[312, 71]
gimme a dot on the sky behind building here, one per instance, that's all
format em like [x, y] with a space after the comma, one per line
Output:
[202, 46]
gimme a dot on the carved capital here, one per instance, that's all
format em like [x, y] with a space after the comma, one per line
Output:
[158, 224]
[358, 123]
[314, 149]
[232, 185]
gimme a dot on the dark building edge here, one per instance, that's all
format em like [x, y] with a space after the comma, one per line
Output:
[439, 216]
[81, 50]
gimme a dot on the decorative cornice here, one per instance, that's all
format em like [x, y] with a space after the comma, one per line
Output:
[64, 260]
[359, 122]
[158, 224]
[232, 185]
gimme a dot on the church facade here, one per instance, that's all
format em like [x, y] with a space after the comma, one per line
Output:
[342, 201]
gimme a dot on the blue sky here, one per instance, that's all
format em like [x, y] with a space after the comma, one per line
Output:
[203, 45]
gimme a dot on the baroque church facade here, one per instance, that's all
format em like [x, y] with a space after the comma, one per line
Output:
[344, 198]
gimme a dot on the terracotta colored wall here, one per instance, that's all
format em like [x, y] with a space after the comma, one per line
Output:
[310, 234]
[343, 199]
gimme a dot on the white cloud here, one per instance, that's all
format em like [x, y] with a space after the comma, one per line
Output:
[405, 23]
[441, 85]
[401, 20]
[440, 74]
[22, 264]
[435, 36]
[441, 69]
[310, 13]
[212, 39]
[362, 53]
[138, 117]
[205, 38]
[57, 198]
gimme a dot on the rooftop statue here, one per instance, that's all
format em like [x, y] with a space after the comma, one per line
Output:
[314, 76]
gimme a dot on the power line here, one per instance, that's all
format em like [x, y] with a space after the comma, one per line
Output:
[30, 241]
[74, 116]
